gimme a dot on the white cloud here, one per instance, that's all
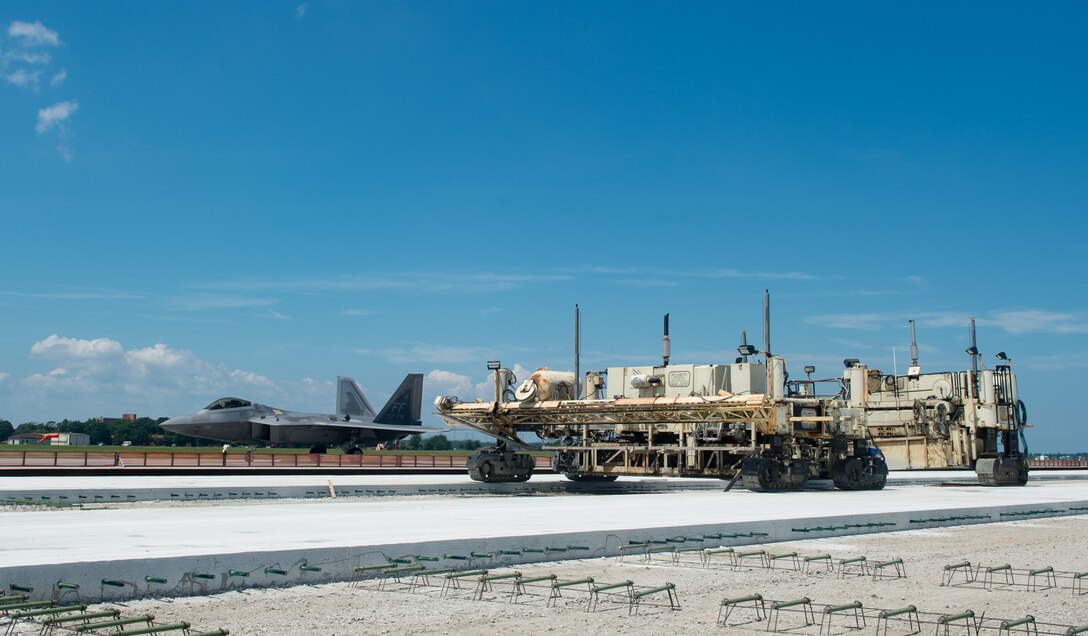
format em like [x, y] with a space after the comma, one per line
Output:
[734, 273]
[439, 382]
[200, 302]
[90, 366]
[54, 116]
[867, 322]
[856, 344]
[177, 318]
[33, 34]
[23, 79]
[24, 64]
[308, 391]
[27, 57]
[1039, 321]
[24, 61]
[486, 390]
[300, 10]
[659, 277]
[1011, 321]
[59, 347]
[96, 376]
[159, 358]
[88, 363]
[428, 353]
[358, 312]
[1070, 360]
[61, 380]
[4, 376]
[103, 294]
[251, 379]
[844, 293]
[876, 321]
[436, 282]
[103, 365]
[650, 282]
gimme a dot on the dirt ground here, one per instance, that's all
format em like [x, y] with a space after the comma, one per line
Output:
[340, 609]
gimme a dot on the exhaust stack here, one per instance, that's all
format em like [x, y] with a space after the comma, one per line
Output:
[665, 346]
[973, 349]
[767, 322]
[577, 353]
[973, 352]
[914, 369]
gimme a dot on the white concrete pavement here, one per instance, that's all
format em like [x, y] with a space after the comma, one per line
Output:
[92, 489]
[131, 488]
[206, 546]
[74, 535]
[223, 539]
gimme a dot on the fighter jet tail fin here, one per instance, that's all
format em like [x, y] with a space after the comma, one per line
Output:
[404, 407]
[350, 399]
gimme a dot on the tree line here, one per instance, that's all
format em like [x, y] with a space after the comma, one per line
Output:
[438, 443]
[145, 431]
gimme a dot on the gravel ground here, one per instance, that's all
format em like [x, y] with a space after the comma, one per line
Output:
[339, 609]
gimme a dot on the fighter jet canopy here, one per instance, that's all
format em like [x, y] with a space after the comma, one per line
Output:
[227, 403]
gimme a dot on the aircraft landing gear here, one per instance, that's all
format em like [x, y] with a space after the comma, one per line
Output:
[318, 450]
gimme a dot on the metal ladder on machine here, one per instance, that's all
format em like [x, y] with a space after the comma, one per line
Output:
[1010, 467]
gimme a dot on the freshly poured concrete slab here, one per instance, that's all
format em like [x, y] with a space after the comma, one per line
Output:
[59, 536]
[203, 548]
[130, 488]
[78, 489]
[13, 484]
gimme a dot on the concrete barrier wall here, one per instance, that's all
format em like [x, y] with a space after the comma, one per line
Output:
[318, 488]
[317, 491]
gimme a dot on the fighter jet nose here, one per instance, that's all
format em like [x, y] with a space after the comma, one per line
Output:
[176, 423]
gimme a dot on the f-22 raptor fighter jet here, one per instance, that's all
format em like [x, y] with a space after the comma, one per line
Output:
[354, 425]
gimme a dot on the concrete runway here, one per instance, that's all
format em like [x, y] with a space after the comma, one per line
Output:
[173, 540]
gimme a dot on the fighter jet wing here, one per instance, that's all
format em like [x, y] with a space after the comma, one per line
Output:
[396, 428]
[342, 423]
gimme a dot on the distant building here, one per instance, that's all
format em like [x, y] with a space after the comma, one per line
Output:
[56, 439]
[126, 417]
[25, 438]
[71, 439]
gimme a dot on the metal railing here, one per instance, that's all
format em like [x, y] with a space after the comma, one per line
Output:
[197, 459]
[1058, 463]
[194, 458]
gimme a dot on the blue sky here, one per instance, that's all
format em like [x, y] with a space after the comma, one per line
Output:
[249, 198]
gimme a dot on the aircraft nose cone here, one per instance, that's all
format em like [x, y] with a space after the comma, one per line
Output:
[176, 424]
